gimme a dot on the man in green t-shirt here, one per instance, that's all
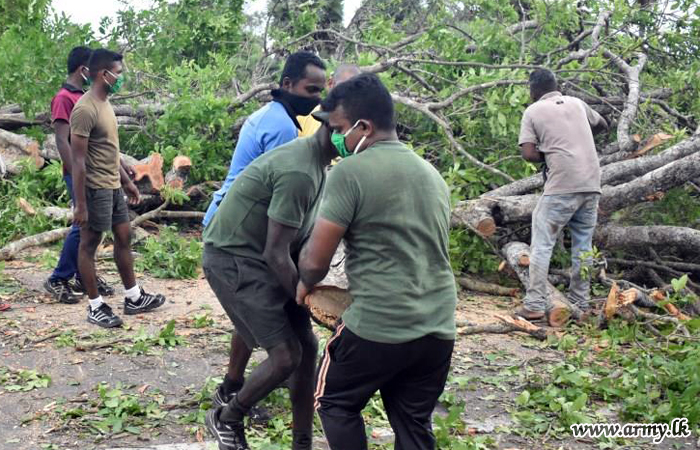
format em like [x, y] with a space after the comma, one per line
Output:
[250, 253]
[393, 210]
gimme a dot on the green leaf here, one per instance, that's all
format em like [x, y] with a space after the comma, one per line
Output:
[523, 398]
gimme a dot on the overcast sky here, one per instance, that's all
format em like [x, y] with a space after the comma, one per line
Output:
[91, 12]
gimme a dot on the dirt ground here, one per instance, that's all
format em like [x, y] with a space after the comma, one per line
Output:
[33, 336]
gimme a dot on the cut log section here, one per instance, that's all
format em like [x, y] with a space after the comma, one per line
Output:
[149, 174]
[479, 215]
[327, 304]
[560, 309]
[16, 147]
[177, 175]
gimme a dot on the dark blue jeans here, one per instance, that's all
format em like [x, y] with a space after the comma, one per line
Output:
[67, 266]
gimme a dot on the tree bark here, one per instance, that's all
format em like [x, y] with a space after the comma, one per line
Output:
[177, 175]
[615, 172]
[516, 254]
[610, 237]
[648, 187]
[16, 147]
[473, 284]
[10, 250]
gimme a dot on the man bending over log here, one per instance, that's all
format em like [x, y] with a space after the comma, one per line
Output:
[250, 253]
[300, 88]
[393, 210]
[99, 198]
[558, 130]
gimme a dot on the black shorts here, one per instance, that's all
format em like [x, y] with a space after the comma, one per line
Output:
[262, 312]
[106, 208]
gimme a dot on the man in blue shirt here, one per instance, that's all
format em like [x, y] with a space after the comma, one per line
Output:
[301, 84]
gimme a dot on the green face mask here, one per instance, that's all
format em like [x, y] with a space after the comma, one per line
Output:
[114, 88]
[338, 140]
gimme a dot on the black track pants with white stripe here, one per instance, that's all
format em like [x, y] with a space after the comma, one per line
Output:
[410, 377]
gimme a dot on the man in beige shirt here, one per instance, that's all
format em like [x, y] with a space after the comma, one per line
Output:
[98, 179]
[558, 129]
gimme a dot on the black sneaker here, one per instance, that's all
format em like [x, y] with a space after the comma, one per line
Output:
[230, 436]
[103, 288]
[257, 414]
[62, 291]
[103, 316]
[146, 302]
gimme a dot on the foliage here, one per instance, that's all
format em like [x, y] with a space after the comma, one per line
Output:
[22, 380]
[199, 122]
[119, 410]
[202, 399]
[651, 383]
[470, 253]
[143, 343]
[39, 188]
[186, 30]
[34, 46]
[169, 255]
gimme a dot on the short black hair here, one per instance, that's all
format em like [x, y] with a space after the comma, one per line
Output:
[295, 66]
[79, 56]
[543, 81]
[103, 59]
[363, 96]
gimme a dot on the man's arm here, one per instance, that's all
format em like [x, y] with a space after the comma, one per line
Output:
[129, 187]
[600, 127]
[316, 257]
[127, 168]
[278, 257]
[597, 123]
[79, 148]
[62, 130]
[529, 152]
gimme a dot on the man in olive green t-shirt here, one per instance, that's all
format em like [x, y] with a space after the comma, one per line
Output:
[250, 253]
[99, 199]
[393, 210]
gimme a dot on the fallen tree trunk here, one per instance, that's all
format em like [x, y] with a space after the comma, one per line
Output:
[517, 254]
[642, 237]
[649, 187]
[507, 325]
[644, 188]
[16, 147]
[472, 284]
[10, 250]
[12, 117]
[614, 173]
